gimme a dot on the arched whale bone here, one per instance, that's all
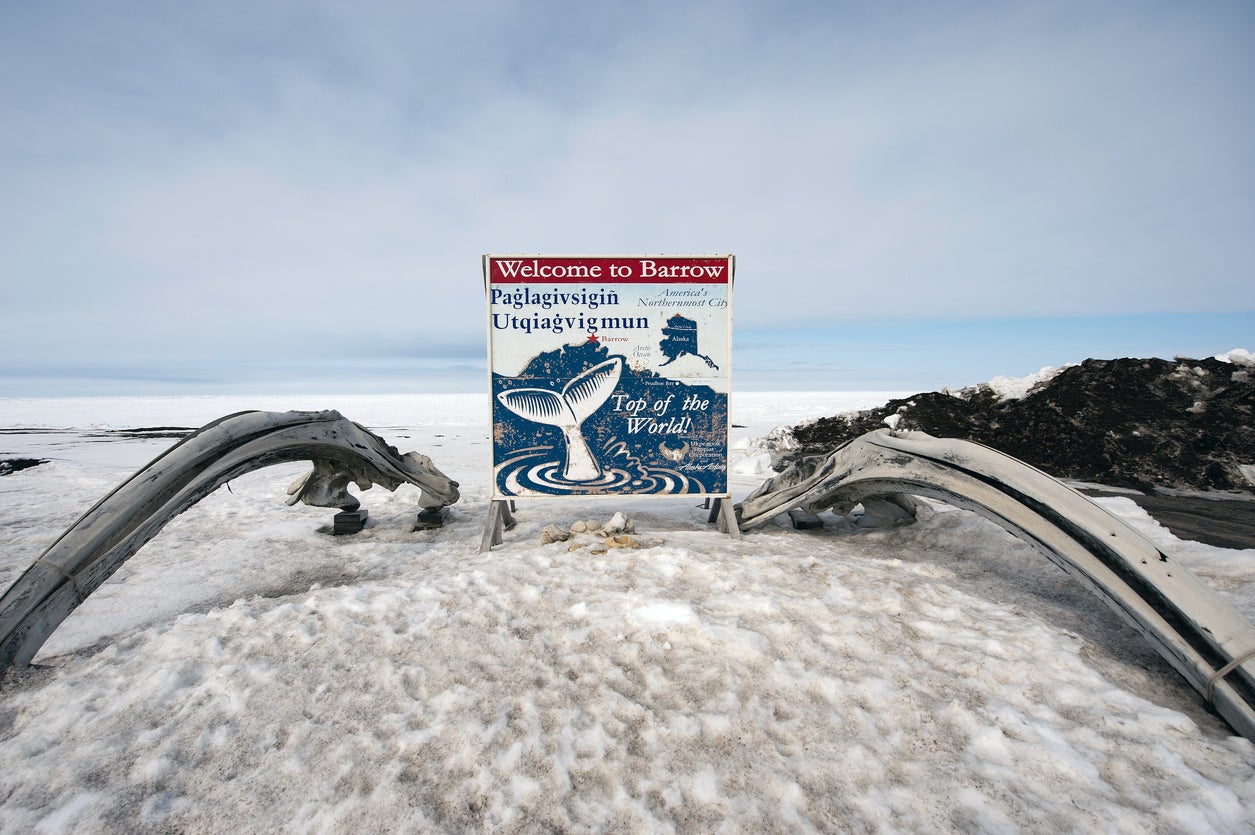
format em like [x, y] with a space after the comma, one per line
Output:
[1195, 630]
[94, 547]
[580, 397]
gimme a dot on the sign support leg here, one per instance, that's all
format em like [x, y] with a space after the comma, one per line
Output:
[723, 512]
[499, 520]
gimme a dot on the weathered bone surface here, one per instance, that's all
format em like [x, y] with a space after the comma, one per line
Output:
[1195, 630]
[119, 524]
[327, 485]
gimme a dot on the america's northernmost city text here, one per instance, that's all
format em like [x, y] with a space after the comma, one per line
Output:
[644, 269]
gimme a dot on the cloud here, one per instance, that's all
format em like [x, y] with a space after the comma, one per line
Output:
[296, 180]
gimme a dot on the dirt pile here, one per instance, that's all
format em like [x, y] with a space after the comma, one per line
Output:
[12, 465]
[1138, 423]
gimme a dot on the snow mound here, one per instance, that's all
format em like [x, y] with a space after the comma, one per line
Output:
[1017, 388]
[1238, 356]
[1005, 388]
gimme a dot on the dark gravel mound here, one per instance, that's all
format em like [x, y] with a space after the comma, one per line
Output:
[1137, 423]
[12, 465]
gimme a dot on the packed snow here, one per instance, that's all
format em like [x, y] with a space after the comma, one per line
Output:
[246, 671]
[1011, 388]
[1238, 356]
[1017, 388]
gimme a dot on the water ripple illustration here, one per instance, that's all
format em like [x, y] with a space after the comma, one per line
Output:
[538, 470]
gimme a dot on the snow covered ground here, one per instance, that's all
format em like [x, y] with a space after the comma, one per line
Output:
[246, 672]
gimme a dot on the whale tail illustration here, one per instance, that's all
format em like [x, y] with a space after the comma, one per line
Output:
[580, 397]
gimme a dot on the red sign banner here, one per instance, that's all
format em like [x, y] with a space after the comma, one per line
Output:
[609, 270]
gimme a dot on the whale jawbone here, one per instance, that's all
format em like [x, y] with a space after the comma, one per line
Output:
[580, 464]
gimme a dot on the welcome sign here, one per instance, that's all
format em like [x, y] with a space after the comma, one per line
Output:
[610, 374]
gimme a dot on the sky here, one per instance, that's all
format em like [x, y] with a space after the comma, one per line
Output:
[282, 196]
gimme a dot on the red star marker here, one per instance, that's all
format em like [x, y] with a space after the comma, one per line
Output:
[592, 337]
